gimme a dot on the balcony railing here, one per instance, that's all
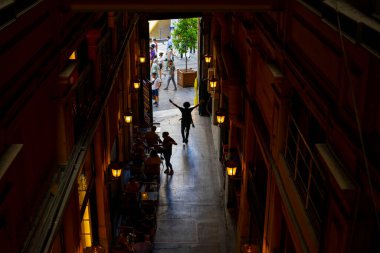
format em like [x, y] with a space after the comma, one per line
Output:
[306, 174]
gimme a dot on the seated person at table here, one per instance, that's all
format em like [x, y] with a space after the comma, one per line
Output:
[152, 138]
[152, 164]
[133, 186]
[138, 151]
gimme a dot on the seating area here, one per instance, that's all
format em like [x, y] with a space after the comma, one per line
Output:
[138, 201]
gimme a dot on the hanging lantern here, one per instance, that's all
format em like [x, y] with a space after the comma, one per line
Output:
[208, 58]
[128, 118]
[231, 168]
[115, 169]
[213, 82]
[142, 59]
[220, 117]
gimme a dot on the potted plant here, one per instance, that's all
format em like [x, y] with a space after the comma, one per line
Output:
[185, 37]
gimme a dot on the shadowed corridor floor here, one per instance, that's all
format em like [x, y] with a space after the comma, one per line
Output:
[191, 216]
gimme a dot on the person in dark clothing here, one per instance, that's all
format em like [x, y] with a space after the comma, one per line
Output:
[186, 119]
[167, 144]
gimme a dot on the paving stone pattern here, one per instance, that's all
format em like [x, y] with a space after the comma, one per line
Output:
[191, 216]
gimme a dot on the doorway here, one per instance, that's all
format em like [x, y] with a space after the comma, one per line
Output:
[161, 32]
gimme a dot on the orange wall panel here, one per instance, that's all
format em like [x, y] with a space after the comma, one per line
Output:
[316, 55]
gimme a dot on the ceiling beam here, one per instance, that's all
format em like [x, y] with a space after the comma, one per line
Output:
[174, 6]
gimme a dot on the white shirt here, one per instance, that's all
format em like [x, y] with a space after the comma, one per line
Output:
[156, 84]
[160, 59]
[169, 43]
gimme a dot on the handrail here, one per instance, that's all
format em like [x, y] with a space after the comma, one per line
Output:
[45, 228]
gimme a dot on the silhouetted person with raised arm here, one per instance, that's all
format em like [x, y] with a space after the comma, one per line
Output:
[186, 119]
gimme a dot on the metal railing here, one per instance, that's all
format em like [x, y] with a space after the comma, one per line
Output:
[306, 174]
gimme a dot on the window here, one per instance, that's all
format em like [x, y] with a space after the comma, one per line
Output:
[304, 169]
[84, 204]
[86, 228]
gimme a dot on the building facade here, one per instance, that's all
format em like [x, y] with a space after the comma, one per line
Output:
[297, 80]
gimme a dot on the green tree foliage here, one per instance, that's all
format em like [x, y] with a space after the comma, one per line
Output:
[185, 35]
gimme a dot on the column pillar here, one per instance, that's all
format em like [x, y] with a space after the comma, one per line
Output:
[104, 221]
[92, 49]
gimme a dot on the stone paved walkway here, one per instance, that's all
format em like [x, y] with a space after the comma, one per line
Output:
[191, 216]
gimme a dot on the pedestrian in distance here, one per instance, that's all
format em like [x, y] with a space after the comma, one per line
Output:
[156, 84]
[152, 53]
[171, 75]
[160, 60]
[155, 43]
[186, 119]
[155, 67]
[167, 144]
[170, 54]
[169, 43]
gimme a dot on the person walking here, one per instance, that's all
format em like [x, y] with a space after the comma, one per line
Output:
[170, 53]
[186, 119]
[169, 43]
[167, 144]
[156, 84]
[171, 75]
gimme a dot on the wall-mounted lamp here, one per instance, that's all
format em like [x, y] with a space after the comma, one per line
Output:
[144, 196]
[208, 58]
[128, 118]
[115, 169]
[220, 116]
[136, 84]
[231, 168]
[142, 59]
[73, 55]
[213, 83]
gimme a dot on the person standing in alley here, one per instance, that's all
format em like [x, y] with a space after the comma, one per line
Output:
[160, 60]
[156, 84]
[186, 119]
[170, 54]
[155, 44]
[171, 75]
[152, 54]
[155, 67]
[167, 144]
